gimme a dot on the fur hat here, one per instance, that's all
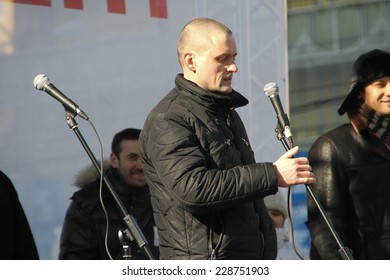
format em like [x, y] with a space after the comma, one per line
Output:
[277, 201]
[367, 68]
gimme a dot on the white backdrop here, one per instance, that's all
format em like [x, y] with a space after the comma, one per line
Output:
[115, 66]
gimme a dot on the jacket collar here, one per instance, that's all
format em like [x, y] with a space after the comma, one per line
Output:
[208, 98]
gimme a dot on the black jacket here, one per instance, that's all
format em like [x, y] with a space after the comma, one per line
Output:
[17, 241]
[353, 186]
[83, 233]
[206, 188]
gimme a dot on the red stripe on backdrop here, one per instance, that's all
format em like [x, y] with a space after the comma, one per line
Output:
[158, 8]
[73, 4]
[116, 6]
[30, 2]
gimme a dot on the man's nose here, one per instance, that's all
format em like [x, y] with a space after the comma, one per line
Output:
[232, 67]
[139, 163]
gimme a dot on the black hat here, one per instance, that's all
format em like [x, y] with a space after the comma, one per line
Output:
[367, 68]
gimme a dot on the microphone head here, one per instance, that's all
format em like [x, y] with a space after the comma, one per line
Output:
[271, 89]
[40, 81]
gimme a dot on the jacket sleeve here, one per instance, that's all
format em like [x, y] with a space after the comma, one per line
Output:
[331, 189]
[179, 164]
[78, 238]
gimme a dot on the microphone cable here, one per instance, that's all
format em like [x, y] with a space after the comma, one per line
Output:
[101, 173]
[290, 223]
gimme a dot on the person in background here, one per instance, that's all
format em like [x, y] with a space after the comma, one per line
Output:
[90, 233]
[207, 189]
[352, 166]
[17, 239]
[277, 209]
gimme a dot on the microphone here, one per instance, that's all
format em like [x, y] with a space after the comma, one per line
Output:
[271, 90]
[41, 82]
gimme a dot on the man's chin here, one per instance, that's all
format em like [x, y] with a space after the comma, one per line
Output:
[225, 89]
[140, 186]
[137, 182]
[140, 183]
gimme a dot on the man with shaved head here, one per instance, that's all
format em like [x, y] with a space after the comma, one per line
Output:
[206, 188]
[201, 42]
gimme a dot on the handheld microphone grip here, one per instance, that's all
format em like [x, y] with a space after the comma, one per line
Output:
[271, 90]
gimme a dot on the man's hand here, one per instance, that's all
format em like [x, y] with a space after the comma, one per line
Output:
[293, 171]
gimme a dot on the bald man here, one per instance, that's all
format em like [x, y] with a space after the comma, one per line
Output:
[206, 188]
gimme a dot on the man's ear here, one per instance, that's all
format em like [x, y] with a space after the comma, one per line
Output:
[189, 62]
[114, 161]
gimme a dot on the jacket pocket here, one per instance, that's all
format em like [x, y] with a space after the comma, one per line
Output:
[221, 146]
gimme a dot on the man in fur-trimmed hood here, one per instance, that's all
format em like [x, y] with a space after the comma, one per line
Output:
[93, 221]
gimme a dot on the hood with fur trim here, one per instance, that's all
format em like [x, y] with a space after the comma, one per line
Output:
[89, 174]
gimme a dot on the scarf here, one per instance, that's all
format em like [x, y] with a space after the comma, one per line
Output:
[373, 127]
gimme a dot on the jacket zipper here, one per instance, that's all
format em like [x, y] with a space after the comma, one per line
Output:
[227, 140]
[214, 251]
[226, 143]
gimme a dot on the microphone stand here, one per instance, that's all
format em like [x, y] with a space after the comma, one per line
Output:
[344, 251]
[133, 232]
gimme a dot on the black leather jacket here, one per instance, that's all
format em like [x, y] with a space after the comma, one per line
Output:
[84, 229]
[353, 186]
[206, 188]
